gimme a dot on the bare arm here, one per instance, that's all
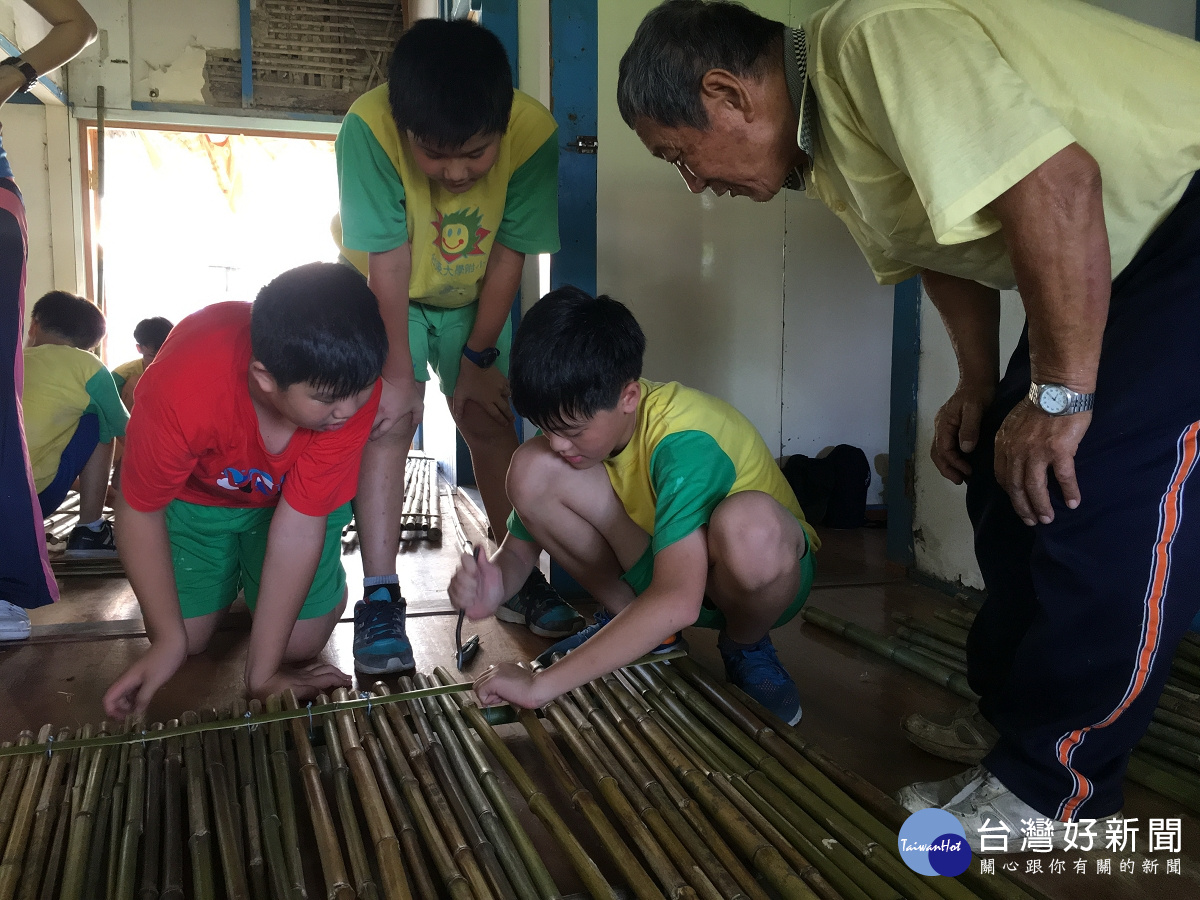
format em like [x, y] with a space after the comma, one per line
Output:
[71, 30]
[1053, 224]
[388, 276]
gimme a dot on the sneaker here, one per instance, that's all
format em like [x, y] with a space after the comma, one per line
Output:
[380, 644]
[539, 606]
[935, 794]
[997, 821]
[14, 622]
[84, 543]
[756, 670]
[967, 738]
[602, 618]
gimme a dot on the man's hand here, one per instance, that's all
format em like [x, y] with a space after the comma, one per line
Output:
[398, 399]
[477, 588]
[131, 693]
[956, 430]
[486, 387]
[1028, 444]
[509, 683]
[306, 681]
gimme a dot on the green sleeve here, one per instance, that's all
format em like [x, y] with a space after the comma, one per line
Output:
[517, 528]
[371, 194]
[119, 380]
[690, 474]
[106, 404]
[530, 223]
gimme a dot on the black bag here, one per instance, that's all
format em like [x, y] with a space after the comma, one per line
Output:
[832, 489]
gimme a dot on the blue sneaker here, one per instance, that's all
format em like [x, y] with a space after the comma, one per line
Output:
[602, 618]
[380, 644]
[756, 670]
[539, 606]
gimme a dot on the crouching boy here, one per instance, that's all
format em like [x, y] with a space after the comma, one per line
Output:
[241, 459]
[663, 502]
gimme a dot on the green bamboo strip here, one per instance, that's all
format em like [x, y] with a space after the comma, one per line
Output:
[474, 853]
[956, 616]
[1186, 670]
[387, 848]
[1179, 713]
[448, 721]
[134, 822]
[1175, 737]
[889, 649]
[152, 818]
[703, 842]
[479, 821]
[943, 631]
[539, 804]
[1180, 693]
[364, 880]
[22, 821]
[6, 759]
[224, 816]
[200, 838]
[333, 867]
[233, 775]
[172, 881]
[256, 863]
[268, 813]
[44, 817]
[50, 881]
[949, 662]
[85, 798]
[1189, 651]
[10, 797]
[116, 815]
[938, 646]
[285, 802]
[756, 849]
[1188, 761]
[613, 793]
[423, 817]
[1192, 637]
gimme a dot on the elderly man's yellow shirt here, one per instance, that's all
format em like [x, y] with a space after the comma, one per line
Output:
[930, 109]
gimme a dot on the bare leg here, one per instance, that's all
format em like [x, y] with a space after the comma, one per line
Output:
[93, 483]
[492, 446]
[309, 636]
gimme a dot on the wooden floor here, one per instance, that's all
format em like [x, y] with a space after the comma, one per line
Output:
[853, 701]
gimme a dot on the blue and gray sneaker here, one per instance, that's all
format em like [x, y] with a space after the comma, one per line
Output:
[380, 644]
[602, 618]
[539, 606]
[756, 670]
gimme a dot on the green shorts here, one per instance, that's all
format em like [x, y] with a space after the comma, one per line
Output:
[218, 550]
[639, 577]
[436, 337]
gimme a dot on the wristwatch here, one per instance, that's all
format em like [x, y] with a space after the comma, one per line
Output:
[30, 73]
[1059, 400]
[485, 358]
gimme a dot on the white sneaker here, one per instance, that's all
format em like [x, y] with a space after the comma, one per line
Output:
[966, 738]
[14, 622]
[931, 794]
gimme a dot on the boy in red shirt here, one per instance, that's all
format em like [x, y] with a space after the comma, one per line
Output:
[241, 459]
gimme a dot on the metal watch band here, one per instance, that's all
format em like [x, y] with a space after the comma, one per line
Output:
[30, 73]
[1076, 402]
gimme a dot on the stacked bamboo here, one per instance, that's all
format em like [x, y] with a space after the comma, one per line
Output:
[421, 518]
[687, 792]
[1167, 760]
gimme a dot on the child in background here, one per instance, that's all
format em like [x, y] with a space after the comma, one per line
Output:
[72, 415]
[240, 463]
[663, 502]
[149, 335]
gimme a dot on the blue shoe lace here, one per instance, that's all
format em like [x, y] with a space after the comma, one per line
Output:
[379, 629]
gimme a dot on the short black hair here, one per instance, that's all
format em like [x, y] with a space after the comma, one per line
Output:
[572, 356]
[152, 332]
[319, 323]
[449, 81]
[75, 319]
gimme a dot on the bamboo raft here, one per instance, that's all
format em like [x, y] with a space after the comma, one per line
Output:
[58, 529]
[421, 517]
[689, 791]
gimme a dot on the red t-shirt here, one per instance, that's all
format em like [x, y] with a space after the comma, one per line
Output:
[194, 435]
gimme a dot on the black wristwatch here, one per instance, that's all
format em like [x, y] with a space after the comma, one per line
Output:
[485, 359]
[30, 73]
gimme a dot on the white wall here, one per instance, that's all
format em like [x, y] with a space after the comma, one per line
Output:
[942, 532]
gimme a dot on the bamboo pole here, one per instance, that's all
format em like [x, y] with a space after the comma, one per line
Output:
[360, 868]
[54, 863]
[333, 867]
[224, 816]
[14, 785]
[85, 798]
[387, 847]
[233, 778]
[268, 813]
[172, 880]
[943, 631]
[937, 645]
[200, 839]
[933, 656]
[1147, 772]
[48, 804]
[134, 822]
[13, 857]
[539, 804]
[497, 814]
[153, 818]
[285, 802]
[256, 863]
[116, 815]
[702, 843]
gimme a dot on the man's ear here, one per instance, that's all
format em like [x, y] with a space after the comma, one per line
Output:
[265, 380]
[721, 90]
[631, 395]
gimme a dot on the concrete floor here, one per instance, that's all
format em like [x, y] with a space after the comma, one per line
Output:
[853, 701]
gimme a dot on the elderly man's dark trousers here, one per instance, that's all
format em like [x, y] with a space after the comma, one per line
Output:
[1074, 642]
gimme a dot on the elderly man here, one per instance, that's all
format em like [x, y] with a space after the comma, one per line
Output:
[1045, 145]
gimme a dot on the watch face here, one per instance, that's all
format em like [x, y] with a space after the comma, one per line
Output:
[488, 357]
[1053, 399]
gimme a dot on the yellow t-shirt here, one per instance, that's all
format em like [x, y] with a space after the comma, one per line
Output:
[126, 377]
[930, 109]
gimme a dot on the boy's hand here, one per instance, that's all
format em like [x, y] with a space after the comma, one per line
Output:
[509, 683]
[477, 588]
[307, 681]
[397, 400]
[486, 387]
[131, 693]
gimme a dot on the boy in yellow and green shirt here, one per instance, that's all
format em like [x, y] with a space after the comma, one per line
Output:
[149, 335]
[446, 183]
